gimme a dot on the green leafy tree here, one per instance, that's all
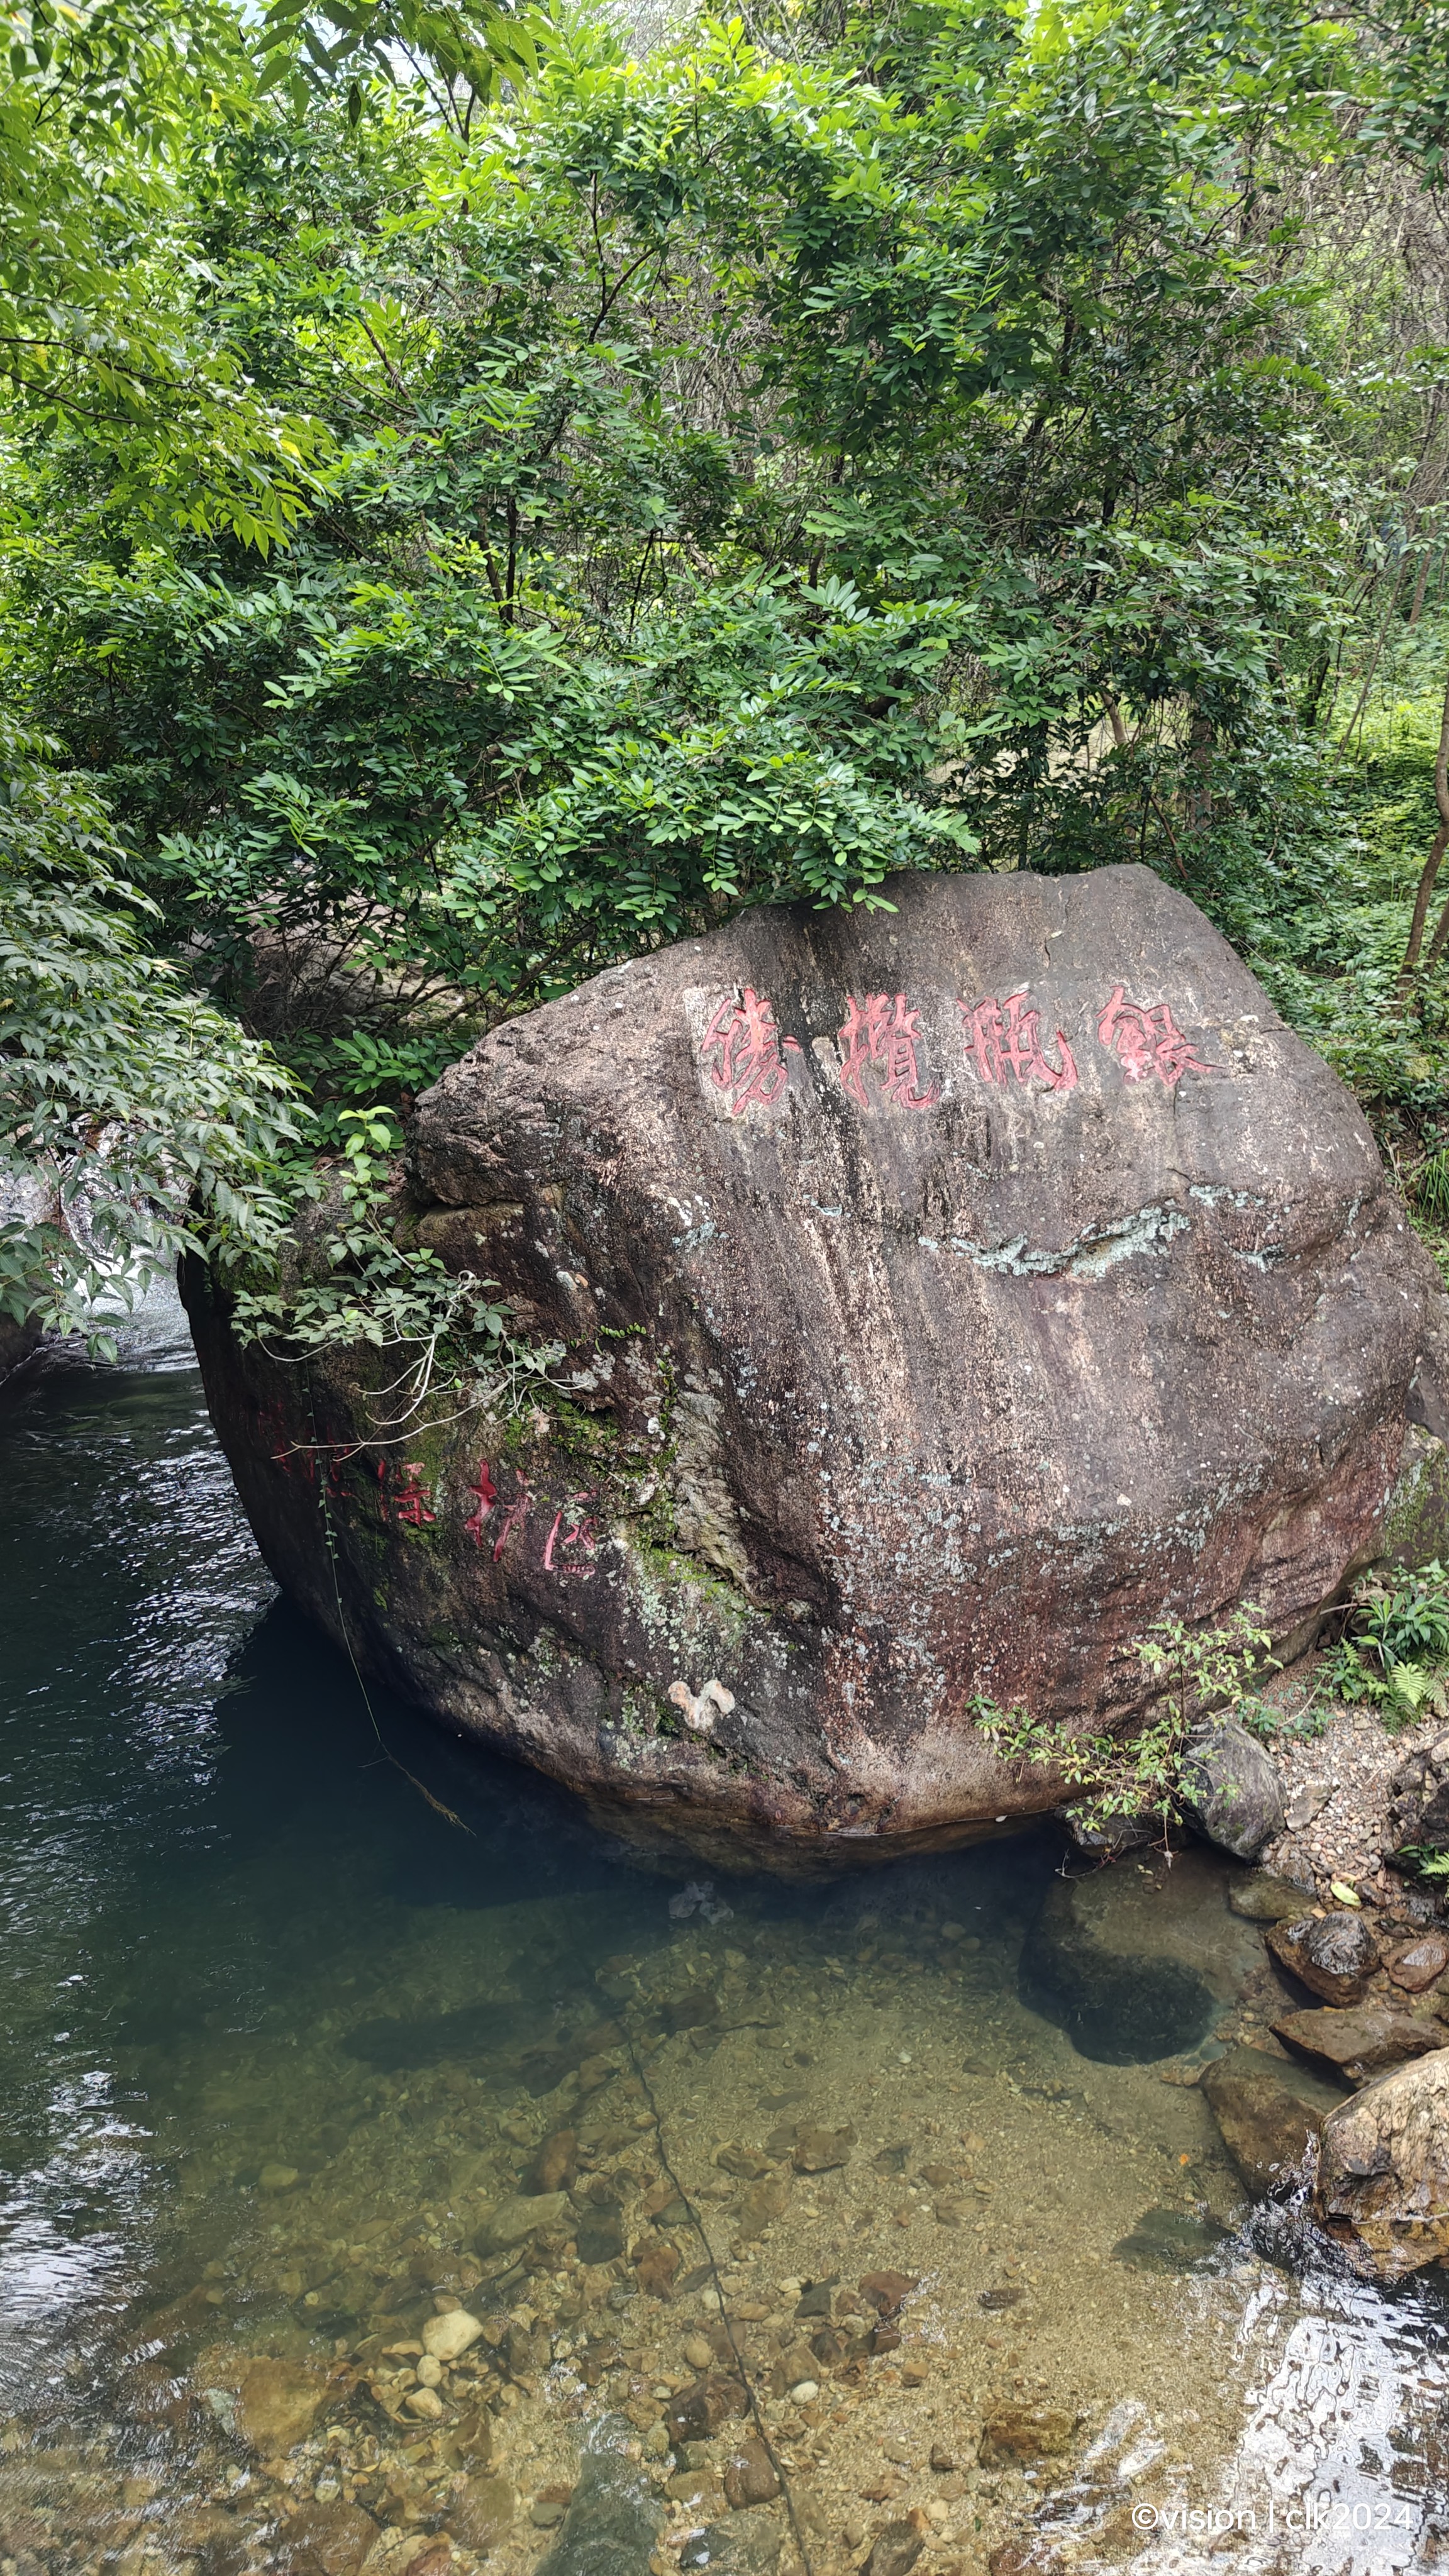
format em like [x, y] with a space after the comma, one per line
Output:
[136, 1121]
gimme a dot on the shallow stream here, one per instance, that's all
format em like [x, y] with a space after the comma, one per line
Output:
[301, 1998]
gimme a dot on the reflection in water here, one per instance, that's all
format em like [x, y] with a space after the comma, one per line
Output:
[293, 2071]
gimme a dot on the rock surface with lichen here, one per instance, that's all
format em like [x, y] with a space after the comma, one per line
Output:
[945, 1292]
[1383, 2175]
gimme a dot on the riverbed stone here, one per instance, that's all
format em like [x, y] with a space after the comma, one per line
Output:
[1416, 1965]
[481, 2512]
[1231, 1789]
[1361, 2042]
[1335, 1955]
[613, 2519]
[747, 2543]
[447, 2337]
[1263, 1898]
[1383, 2173]
[1130, 1972]
[1267, 2113]
[750, 2475]
[761, 2205]
[556, 2165]
[996, 1270]
[818, 2150]
[1011, 2434]
[513, 2221]
[895, 2550]
[326, 2540]
[278, 2403]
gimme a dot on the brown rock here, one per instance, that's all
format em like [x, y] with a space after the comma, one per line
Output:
[1266, 2126]
[1025, 2433]
[479, 2517]
[1383, 2176]
[471, 2439]
[654, 2269]
[821, 2150]
[1334, 1954]
[746, 2163]
[511, 2222]
[761, 2205]
[1361, 2042]
[1262, 1898]
[556, 2165]
[789, 2367]
[692, 2010]
[326, 2540]
[698, 2411]
[896, 2550]
[887, 2291]
[435, 2558]
[888, 1161]
[1419, 1963]
[699, 2488]
[278, 2403]
[1013, 2558]
[749, 2474]
[943, 2461]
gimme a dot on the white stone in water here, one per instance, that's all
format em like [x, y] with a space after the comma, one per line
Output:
[276, 2178]
[805, 2391]
[430, 2371]
[424, 2402]
[447, 2336]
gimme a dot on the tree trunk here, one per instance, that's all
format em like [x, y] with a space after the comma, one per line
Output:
[1432, 864]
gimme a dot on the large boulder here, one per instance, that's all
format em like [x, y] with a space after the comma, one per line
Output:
[945, 1292]
[1383, 2171]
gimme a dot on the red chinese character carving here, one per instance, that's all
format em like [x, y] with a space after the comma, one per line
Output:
[581, 1537]
[516, 1513]
[1003, 1038]
[414, 1500]
[875, 1034]
[741, 1049]
[487, 1493]
[1147, 1042]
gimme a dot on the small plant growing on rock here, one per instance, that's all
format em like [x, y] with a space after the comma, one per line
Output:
[1138, 1777]
[376, 1292]
[1394, 1651]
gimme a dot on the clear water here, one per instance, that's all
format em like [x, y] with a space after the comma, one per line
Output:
[281, 2036]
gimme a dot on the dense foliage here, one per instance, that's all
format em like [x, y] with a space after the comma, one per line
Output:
[482, 494]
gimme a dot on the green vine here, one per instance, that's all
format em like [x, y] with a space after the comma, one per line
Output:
[1195, 1673]
[374, 1292]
